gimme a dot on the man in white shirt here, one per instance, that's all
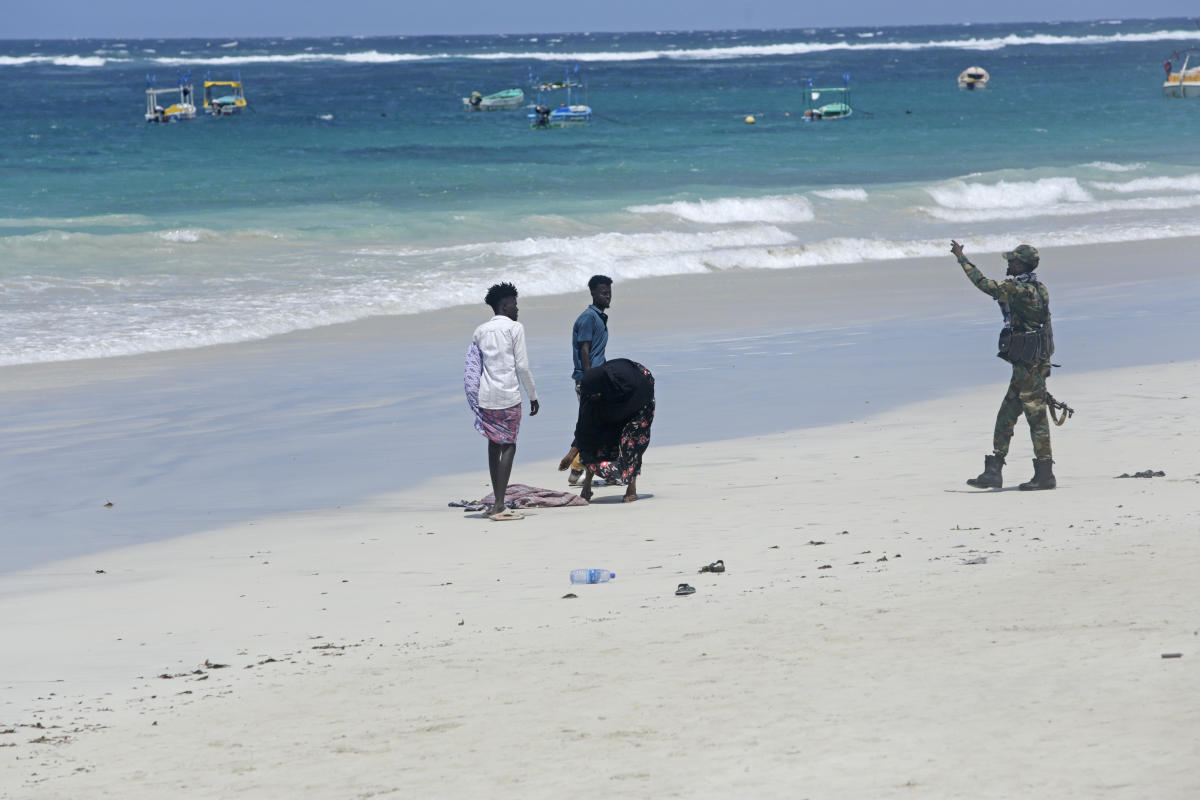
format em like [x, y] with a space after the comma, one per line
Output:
[505, 371]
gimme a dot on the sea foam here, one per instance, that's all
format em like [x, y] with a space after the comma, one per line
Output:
[1187, 183]
[857, 194]
[772, 208]
[717, 52]
[960, 195]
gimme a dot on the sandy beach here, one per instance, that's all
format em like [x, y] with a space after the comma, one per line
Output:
[882, 630]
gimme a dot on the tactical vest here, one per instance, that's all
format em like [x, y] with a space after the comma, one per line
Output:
[1026, 347]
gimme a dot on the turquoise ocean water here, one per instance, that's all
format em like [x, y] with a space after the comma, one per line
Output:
[356, 184]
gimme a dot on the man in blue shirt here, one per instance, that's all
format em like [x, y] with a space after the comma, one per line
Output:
[589, 338]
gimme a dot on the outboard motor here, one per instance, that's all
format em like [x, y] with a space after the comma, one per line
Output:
[543, 116]
[476, 99]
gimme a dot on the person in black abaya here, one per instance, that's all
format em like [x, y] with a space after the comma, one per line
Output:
[616, 410]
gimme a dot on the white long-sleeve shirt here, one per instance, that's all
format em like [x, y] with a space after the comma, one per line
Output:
[505, 363]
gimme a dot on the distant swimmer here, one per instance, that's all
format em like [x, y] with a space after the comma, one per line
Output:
[1026, 342]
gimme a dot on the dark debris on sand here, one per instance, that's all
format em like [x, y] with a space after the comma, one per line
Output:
[1146, 473]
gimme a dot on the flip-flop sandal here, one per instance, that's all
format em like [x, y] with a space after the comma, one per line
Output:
[506, 515]
[685, 589]
[716, 566]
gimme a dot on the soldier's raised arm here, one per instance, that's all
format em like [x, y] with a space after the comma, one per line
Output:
[989, 287]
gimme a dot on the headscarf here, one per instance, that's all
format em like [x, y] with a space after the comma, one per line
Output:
[609, 396]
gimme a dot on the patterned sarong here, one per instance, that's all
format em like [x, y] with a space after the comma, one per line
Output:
[499, 425]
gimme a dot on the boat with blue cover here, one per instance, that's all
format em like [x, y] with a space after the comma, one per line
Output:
[570, 112]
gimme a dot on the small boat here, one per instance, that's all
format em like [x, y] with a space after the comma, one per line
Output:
[565, 114]
[500, 101]
[1186, 81]
[836, 105]
[224, 98]
[973, 78]
[183, 108]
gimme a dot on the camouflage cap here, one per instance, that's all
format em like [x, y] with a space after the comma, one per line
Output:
[1026, 254]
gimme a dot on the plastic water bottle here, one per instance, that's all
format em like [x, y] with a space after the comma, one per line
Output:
[591, 576]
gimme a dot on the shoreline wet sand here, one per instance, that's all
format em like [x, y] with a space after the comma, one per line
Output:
[188, 440]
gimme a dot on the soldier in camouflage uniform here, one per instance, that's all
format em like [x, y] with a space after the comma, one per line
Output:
[1025, 304]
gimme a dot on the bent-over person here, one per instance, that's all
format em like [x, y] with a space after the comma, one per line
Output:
[612, 432]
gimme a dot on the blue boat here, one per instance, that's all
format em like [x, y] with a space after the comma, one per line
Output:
[570, 112]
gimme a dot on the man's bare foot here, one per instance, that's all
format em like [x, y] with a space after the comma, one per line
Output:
[630, 497]
[496, 509]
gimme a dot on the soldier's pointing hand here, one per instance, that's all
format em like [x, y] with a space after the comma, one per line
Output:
[956, 249]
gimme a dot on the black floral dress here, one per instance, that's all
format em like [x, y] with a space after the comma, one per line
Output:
[619, 461]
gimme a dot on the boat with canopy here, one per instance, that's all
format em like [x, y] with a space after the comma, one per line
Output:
[571, 112]
[1184, 82]
[224, 98]
[827, 103]
[183, 108]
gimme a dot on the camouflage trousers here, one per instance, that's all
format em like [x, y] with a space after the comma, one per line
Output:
[1026, 394]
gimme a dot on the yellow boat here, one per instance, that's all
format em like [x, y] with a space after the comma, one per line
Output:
[181, 109]
[224, 98]
[1186, 81]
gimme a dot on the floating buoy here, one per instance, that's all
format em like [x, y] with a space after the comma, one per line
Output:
[750, 120]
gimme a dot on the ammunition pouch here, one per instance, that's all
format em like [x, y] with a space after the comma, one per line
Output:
[1026, 347]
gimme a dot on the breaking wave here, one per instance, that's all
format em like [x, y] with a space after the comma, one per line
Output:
[725, 210]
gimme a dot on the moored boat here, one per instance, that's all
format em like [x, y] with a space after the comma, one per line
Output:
[565, 114]
[498, 101]
[973, 78]
[836, 105]
[224, 98]
[1184, 82]
[183, 108]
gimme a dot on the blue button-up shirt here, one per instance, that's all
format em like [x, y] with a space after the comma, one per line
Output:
[592, 327]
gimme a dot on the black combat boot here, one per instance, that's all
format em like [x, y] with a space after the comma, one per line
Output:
[990, 477]
[1043, 475]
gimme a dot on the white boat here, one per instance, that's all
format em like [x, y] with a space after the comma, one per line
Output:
[1186, 81]
[499, 101]
[973, 78]
[183, 108]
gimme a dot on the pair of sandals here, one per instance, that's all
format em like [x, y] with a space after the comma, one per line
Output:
[716, 566]
[506, 515]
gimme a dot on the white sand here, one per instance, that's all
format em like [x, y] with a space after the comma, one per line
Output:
[423, 652]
